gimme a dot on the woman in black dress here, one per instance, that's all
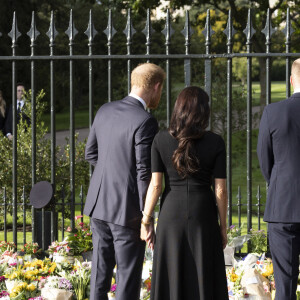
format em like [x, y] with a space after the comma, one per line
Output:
[188, 256]
[2, 112]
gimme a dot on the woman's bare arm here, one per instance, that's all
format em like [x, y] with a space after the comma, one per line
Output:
[222, 201]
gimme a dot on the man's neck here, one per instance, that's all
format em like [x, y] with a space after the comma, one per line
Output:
[296, 90]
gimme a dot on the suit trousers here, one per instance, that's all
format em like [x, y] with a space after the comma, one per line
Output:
[116, 245]
[284, 239]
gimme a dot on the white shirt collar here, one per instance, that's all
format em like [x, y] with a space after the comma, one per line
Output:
[21, 102]
[297, 90]
[139, 98]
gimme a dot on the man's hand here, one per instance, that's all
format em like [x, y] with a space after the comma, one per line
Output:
[148, 234]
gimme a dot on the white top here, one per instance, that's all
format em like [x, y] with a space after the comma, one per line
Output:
[139, 98]
[297, 90]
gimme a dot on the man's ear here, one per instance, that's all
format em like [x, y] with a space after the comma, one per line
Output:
[157, 86]
[291, 80]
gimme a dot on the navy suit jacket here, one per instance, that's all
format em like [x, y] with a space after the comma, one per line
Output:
[278, 151]
[119, 146]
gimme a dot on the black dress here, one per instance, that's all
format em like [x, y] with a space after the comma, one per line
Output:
[188, 259]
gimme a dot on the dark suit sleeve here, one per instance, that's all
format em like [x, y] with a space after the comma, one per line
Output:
[143, 141]
[8, 122]
[264, 147]
[91, 148]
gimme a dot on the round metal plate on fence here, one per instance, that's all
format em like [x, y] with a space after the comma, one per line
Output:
[41, 194]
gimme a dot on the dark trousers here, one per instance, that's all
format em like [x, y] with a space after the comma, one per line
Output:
[116, 245]
[284, 242]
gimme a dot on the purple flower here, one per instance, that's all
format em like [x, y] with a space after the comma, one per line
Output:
[4, 294]
[113, 287]
[2, 278]
[231, 227]
[65, 284]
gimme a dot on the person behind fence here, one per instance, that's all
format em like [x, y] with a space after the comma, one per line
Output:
[188, 256]
[119, 146]
[2, 113]
[278, 151]
[20, 113]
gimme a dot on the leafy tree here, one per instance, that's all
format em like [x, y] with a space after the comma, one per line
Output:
[43, 157]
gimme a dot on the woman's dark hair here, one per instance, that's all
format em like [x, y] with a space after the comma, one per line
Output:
[188, 123]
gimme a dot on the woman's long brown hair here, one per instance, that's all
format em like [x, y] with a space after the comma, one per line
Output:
[188, 123]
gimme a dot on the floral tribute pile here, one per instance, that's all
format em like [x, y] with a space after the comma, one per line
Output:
[66, 275]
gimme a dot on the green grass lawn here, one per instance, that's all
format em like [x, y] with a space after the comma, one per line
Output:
[278, 92]
[63, 119]
[82, 114]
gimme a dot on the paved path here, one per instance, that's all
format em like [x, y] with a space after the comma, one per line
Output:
[62, 135]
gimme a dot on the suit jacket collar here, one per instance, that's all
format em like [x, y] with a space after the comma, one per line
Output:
[133, 101]
[295, 95]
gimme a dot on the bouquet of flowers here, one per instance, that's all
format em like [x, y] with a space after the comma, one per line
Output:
[24, 291]
[4, 295]
[62, 248]
[7, 246]
[81, 237]
[235, 239]
[258, 241]
[31, 248]
[56, 287]
[80, 279]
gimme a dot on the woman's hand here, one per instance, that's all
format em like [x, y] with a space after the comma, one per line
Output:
[224, 237]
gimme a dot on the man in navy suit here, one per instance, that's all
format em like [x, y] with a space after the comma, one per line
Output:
[278, 151]
[119, 146]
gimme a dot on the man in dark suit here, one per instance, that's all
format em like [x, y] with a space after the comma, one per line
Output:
[20, 113]
[278, 152]
[119, 146]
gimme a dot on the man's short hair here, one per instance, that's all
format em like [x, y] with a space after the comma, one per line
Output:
[147, 75]
[20, 84]
[296, 69]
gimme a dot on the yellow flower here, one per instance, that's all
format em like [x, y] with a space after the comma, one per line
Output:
[52, 268]
[31, 287]
[113, 281]
[233, 277]
[13, 295]
[268, 270]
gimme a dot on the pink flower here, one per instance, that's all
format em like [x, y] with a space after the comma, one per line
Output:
[75, 234]
[88, 234]
[81, 224]
[113, 287]
[78, 217]
[69, 229]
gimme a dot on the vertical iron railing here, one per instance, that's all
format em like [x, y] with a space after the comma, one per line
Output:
[33, 33]
[187, 32]
[168, 31]
[268, 31]
[14, 34]
[110, 32]
[249, 31]
[129, 31]
[208, 32]
[11, 202]
[71, 32]
[230, 33]
[288, 31]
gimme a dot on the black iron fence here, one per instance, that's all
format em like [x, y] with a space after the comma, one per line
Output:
[19, 204]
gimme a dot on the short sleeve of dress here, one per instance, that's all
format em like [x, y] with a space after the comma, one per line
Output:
[156, 161]
[220, 161]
